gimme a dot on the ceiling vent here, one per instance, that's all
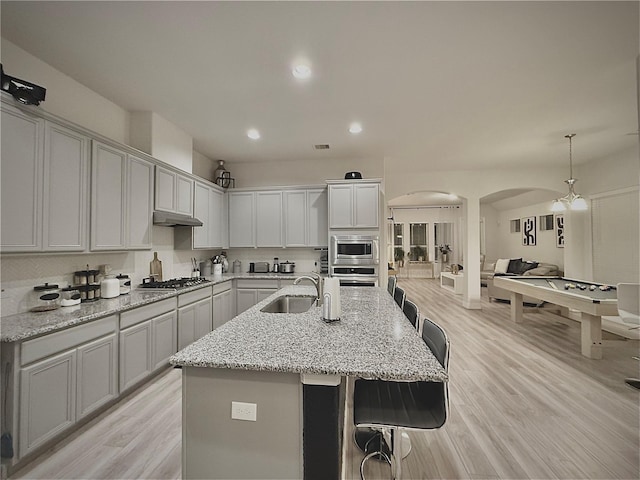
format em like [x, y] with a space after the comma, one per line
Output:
[321, 146]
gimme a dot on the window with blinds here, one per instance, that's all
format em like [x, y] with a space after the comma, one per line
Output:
[615, 230]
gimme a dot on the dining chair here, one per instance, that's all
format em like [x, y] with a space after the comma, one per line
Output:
[412, 313]
[392, 407]
[399, 296]
[629, 312]
[391, 284]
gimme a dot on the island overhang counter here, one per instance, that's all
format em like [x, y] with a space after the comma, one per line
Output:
[292, 368]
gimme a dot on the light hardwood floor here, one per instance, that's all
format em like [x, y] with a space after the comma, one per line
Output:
[524, 404]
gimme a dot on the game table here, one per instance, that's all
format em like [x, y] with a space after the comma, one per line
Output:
[591, 301]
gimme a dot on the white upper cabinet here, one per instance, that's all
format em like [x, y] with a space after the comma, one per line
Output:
[208, 207]
[317, 219]
[121, 206]
[269, 219]
[278, 218]
[218, 229]
[139, 203]
[108, 189]
[295, 218]
[201, 212]
[66, 187]
[354, 205]
[340, 206]
[305, 218]
[365, 208]
[174, 192]
[22, 171]
[242, 219]
[45, 174]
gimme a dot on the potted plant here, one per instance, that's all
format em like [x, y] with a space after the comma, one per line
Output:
[444, 251]
[398, 256]
[417, 253]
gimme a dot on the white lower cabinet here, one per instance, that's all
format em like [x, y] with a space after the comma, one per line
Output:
[48, 396]
[64, 377]
[163, 339]
[147, 340]
[223, 304]
[97, 374]
[251, 292]
[194, 322]
[194, 316]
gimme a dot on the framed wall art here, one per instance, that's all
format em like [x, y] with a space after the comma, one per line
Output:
[558, 222]
[529, 231]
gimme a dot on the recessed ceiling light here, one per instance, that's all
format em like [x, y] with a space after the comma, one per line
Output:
[355, 127]
[253, 134]
[301, 71]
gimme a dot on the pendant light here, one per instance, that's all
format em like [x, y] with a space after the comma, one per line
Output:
[572, 200]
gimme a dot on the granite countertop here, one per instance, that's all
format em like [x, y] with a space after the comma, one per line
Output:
[23, 326]
[373, 339]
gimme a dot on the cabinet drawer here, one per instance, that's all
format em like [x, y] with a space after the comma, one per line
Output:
[187, 298]
[47, 345]
[257, 284]
[145, 313]
[221, 287]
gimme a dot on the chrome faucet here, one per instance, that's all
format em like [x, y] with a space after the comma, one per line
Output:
[317, 282]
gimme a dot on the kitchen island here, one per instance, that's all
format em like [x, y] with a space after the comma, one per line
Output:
[288, 371]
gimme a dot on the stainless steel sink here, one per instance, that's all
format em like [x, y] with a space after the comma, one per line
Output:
[290, 304]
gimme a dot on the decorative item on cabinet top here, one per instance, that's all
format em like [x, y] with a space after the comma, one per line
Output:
[223, 177]
[25, 92]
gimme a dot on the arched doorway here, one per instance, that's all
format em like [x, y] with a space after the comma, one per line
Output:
[424, 233]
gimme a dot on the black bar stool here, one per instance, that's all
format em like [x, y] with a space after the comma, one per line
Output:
[398, 296]
[390, 407]
[412, 313]
[391, 284]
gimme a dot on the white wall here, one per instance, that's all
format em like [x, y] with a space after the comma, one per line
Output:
[66, 97]
[161, 139]
[491, 232]
[510, 244]
[203, 166]
[311, 172]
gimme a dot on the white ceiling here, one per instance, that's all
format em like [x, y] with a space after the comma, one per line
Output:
[455, 85]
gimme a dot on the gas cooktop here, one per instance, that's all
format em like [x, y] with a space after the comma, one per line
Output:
[174, 283]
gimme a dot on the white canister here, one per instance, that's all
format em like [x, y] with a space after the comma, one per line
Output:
[110, 287]
[217, 269]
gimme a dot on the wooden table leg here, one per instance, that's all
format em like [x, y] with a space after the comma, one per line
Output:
[516, 307]
[591, 333]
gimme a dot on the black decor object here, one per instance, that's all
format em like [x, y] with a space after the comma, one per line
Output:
[514, 265]
[23, 91]
[352, 176]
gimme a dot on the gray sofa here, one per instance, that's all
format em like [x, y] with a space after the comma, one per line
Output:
[500, 294]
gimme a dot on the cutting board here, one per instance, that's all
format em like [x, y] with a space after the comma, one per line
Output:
[155, 268]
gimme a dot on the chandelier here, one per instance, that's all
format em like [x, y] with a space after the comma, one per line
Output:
[571, 200]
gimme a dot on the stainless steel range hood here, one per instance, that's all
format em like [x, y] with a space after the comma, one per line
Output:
[168, 219]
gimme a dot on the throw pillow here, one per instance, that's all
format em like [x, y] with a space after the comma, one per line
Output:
[526, 266]
[538, 271]
[502, 265]
[514, 265]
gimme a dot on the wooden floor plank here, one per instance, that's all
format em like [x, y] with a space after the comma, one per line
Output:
[525, 404]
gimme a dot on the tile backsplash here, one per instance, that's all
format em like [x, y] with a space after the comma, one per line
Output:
[19, 273]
